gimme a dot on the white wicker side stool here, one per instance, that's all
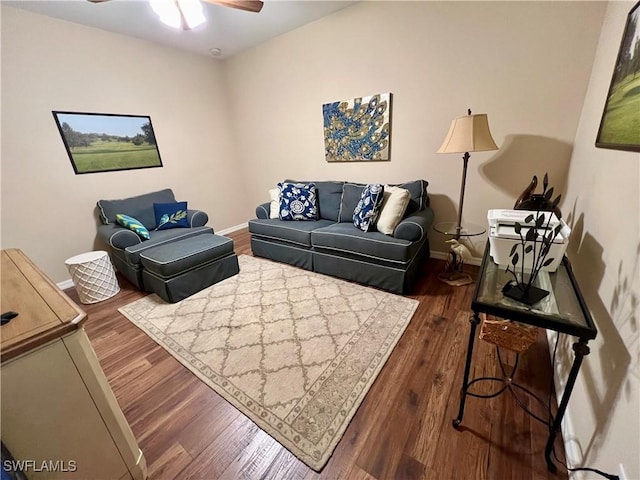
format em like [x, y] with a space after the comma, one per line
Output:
[93, 276]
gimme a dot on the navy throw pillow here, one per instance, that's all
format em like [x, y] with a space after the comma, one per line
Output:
[366, 212]
[171, 215]
[298, 201]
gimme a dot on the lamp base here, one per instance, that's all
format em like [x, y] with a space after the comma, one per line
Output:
[455, 279]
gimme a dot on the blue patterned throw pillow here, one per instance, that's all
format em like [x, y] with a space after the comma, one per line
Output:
[171, 215]
[132, 224]
[366, 212]
[298, 201]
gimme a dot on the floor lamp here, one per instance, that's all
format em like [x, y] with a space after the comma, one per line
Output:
[469, 133]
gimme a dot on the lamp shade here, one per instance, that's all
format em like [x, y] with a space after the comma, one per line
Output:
[469, 133]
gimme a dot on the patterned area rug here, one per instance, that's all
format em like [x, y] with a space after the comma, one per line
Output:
[293, 350]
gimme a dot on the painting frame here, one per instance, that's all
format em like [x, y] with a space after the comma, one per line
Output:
[358, 129]
[621, 111]
[107, 142]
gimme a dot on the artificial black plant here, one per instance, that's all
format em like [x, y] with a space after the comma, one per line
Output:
[535, 238]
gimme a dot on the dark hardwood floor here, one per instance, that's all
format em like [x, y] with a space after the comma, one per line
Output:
[402, 430]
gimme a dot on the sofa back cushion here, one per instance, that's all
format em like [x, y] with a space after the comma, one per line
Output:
[139, 207]
[352, 191]
[419, 197]
[351, 194]
[329, 196]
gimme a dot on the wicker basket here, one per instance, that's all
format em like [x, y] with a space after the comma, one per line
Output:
[508, 334]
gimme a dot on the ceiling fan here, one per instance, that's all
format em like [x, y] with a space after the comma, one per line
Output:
[188, 14]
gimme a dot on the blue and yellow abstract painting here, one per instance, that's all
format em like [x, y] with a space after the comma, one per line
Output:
[358, 130]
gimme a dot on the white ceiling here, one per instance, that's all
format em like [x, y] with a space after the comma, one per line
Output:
[228, 29]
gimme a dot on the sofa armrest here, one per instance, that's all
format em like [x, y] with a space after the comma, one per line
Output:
[118, 237]
[415, 226]
[197, 218]
[263, 211]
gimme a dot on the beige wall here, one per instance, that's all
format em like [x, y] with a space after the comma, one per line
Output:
[526, 64]
[603, 201]
[48, 64]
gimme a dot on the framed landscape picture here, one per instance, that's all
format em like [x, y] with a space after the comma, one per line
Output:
[620, 124]
[102, 142]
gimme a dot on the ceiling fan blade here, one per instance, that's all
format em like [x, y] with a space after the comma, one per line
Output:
[247, 5]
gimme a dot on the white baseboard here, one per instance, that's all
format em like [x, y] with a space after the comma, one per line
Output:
[477, 261]
[434, 254]
[232, 229]
[572, 451]
[65, 284]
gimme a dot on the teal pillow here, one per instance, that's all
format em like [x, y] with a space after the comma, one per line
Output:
[133, 225]
[171, 215]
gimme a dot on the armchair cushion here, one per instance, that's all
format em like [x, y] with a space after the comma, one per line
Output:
[171, 215]
[139, 207]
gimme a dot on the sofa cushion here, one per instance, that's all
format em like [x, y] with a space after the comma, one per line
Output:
[298, 201]
[140, 207]
[394, 205]
[366, 212]
[329, 197]
[376, 246]
[132, 224]
[419, 197]
[171, 215]
[294, 232]
[351, 193]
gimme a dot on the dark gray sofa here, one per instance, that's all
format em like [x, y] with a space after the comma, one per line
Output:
[333, 246]
[126, 246]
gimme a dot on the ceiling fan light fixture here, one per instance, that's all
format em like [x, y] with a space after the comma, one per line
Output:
[174, 12]
[192, 11]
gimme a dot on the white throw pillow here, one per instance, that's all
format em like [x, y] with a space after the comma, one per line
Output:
[394, 205]
[274, 196]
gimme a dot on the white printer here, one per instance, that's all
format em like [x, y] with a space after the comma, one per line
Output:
[502, 236]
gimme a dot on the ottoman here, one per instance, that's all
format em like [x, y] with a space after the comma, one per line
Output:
[179, 269]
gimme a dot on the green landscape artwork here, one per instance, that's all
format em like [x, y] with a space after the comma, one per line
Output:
[620, 124]
[102, 142]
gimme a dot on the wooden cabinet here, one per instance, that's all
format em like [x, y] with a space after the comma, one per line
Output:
[58, 411]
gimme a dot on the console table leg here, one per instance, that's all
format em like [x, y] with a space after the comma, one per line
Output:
[474, 320]
[580, 349]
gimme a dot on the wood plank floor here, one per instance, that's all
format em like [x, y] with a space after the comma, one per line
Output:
[402, 430]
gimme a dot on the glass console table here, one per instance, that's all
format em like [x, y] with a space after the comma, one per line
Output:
[563, 311]
[454, 275]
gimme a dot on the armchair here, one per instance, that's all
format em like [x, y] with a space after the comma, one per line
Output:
[125, 246]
